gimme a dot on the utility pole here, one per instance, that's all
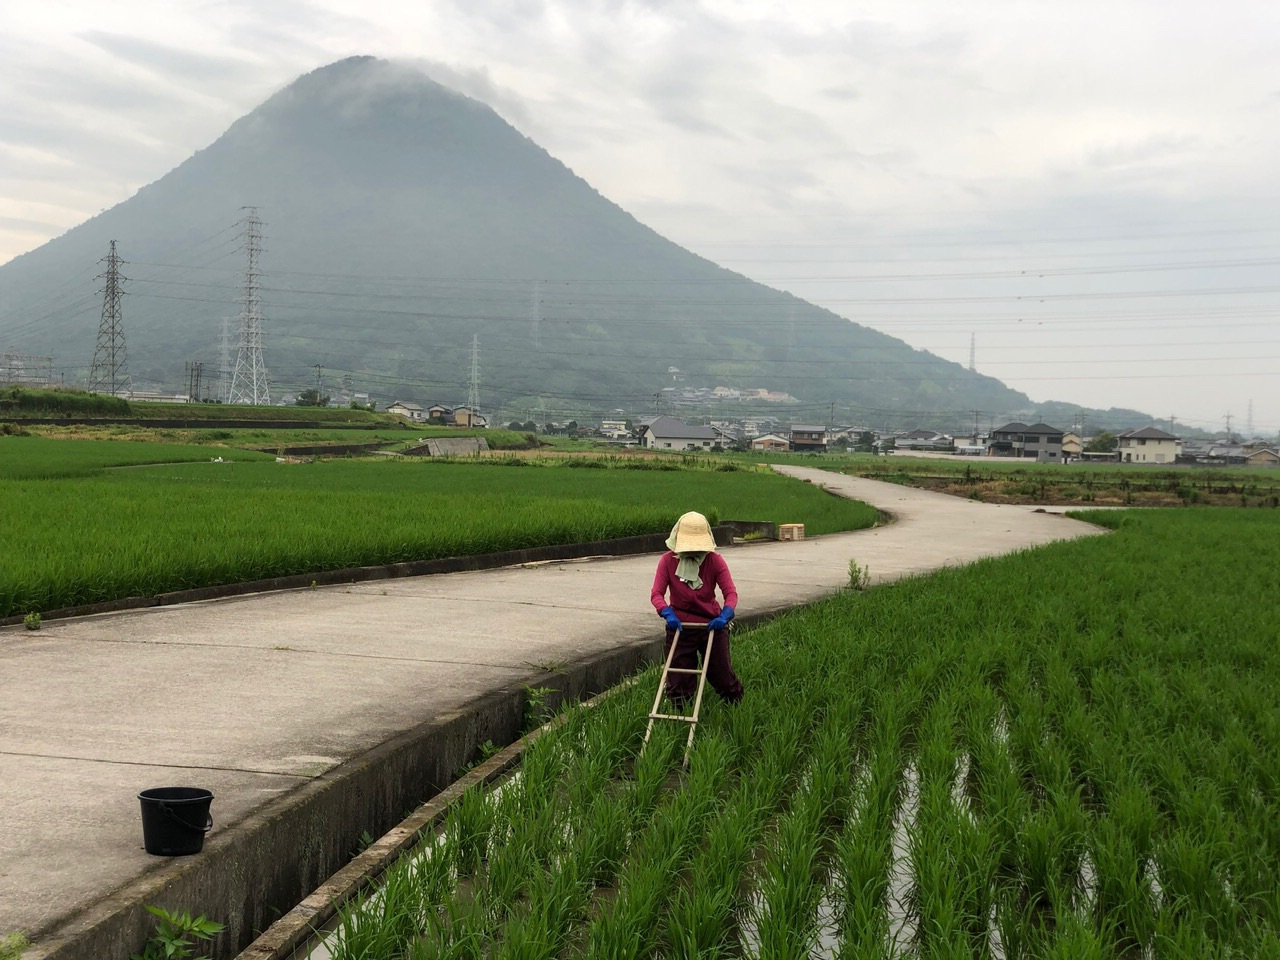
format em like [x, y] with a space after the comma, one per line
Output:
[1228, 419]
[831, 422]
[194, 369]
[249, 382]
[319, 367]
[473, 387]
[110, 371]
[224, 362]
[977, 415]
[535, 314]
[1248, 424]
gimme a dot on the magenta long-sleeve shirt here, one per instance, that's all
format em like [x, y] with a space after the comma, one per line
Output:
[696, 606]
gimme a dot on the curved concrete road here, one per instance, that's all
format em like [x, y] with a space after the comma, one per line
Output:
[253, 696]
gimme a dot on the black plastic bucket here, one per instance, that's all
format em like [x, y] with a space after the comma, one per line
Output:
[175, 820]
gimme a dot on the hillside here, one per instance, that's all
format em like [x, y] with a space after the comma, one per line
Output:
[402, 219]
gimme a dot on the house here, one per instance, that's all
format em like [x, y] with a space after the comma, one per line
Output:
[1039, 441]
[438, 411]
[1263, 457]
[923, 440]
[1072, 445]
[466, 417]
[614, 429]
[410, 410]
[808, 438]
[770, 441]
[1147, 445]
[668, 433]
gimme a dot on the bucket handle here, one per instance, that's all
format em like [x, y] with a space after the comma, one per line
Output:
[168, 812]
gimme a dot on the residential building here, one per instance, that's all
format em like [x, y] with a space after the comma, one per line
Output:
[1263, 457]
[466, 417]
[438, 411]
[808, 438]
[770, 441]
[1072, 445]
[1039, 442]
[412, 411]
[614, 429]
[923, 440]
[1147, 445]
[668, 433]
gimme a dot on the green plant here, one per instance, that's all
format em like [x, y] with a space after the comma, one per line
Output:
[859, 576]
[363, 843]
[32, 620]
[12, 945]
[176, 934]
[536, 710]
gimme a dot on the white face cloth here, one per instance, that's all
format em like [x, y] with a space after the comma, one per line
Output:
[687, 567]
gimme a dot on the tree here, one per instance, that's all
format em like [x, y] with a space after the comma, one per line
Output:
[1103, 442]
[311, 398]
[515, 425]
[529, 427]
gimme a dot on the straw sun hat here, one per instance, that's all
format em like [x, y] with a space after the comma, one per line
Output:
[691, 534]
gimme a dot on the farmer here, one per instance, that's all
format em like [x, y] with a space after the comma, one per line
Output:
[688, 574]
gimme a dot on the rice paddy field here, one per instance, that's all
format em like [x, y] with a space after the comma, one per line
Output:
[79, 524]
[1010, 480]
[1072, 752]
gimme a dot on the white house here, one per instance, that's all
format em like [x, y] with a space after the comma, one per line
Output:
[770, 441]
[615, 429]
[410, 410]
[1147, 445]
[668, 433]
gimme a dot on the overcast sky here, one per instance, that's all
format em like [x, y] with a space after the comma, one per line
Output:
[1087, 189]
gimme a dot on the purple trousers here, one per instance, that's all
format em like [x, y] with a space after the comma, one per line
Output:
[693, 643]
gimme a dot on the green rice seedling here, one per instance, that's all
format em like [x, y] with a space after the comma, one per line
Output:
[792, 881]
[382, 924]
[1074, 938]
[1123, 845]
[468, 826]
[1192, 872]
[461, 933]
[864, 855]
[700, 920]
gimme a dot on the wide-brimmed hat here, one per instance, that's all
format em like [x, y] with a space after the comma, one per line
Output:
[691, 534]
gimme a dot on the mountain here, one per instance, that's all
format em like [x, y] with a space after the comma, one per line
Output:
[402, 220]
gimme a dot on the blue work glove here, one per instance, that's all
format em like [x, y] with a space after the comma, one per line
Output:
[669, 615]
[722, 621]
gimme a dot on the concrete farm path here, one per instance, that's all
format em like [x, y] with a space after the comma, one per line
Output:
[255, 696]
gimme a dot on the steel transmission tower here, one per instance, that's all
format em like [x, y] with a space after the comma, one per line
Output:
[249, 382]
[224, 362]
[972, 343]
[110, 371]
[473, 389]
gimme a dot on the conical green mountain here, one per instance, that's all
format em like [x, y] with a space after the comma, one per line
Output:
[405, 222]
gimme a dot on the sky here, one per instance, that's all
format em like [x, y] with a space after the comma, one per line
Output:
[1085, 194]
